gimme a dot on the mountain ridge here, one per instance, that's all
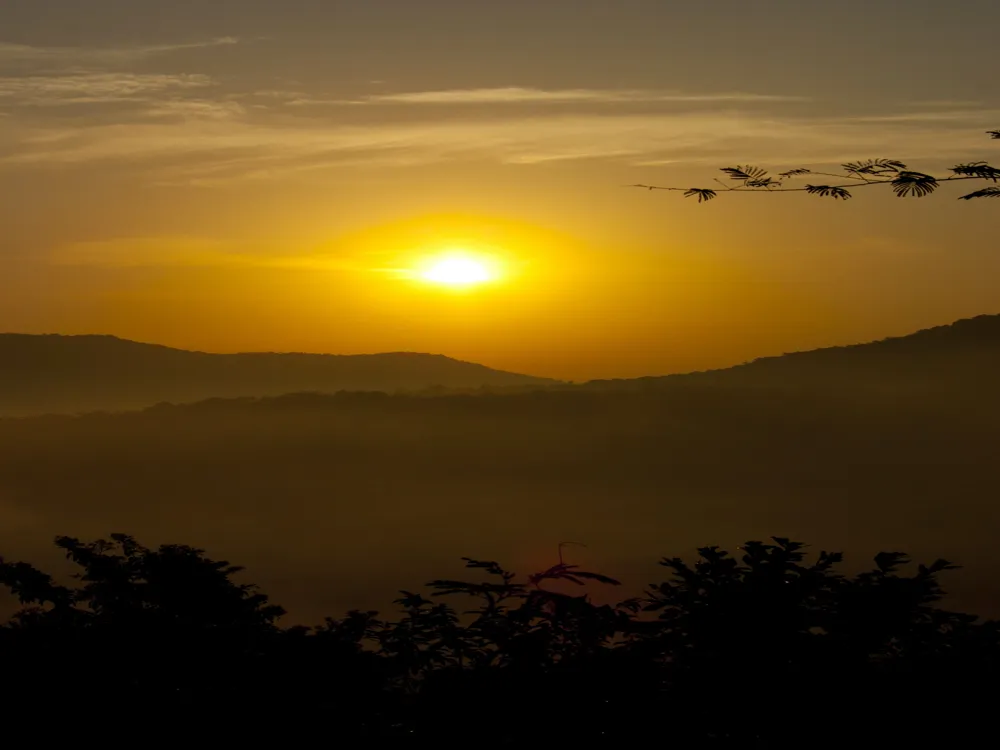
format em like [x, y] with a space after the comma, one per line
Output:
[966, 342]
[66, 375]
[42, 373]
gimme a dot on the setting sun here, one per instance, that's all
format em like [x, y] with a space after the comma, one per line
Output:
[458, 270]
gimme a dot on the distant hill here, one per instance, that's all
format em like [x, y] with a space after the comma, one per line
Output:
[965, 353]
[54, 373]
[317, 487]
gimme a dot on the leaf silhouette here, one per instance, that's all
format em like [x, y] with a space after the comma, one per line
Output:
[745, 174]
[491, 567]
[765, 182]
[829, 191]
[874, 167]
[990, 192]
[597, 577]
[887, 562]
[795, 172]
[704, 194]
[915, 184]
[994, 134]
[977, 169]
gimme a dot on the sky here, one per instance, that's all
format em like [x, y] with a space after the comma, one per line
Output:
[233, 175]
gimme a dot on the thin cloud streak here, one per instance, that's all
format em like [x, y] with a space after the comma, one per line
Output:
[958, 115]
[191, 109]
[521, 95]
[93, 88]
[19, 53]
[206, 141]
[182, 252]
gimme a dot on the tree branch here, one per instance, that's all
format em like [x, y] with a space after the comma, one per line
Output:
[904, 181]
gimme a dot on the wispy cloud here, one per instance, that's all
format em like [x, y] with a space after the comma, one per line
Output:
[964, 113]
[520, 95]
[20, 53]
[230, 144]
[183, 252]
[191, 128]
[90, 88]
[946, 103]
[203, 109]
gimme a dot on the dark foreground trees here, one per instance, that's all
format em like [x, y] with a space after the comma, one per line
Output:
[763, 647]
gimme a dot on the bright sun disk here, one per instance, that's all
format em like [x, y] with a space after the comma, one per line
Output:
[457, 271]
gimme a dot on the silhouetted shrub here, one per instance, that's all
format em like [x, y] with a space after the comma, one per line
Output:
[766, 647]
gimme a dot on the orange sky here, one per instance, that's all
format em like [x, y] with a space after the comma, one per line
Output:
[241, 182]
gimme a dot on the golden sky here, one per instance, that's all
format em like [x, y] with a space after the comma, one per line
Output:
[261, 175]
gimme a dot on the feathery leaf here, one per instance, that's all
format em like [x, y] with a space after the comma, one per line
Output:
[915, 184]
[874, 167]
[829, 191]
[990, 192]
[977, 169]
[745, 174]
[704, 194]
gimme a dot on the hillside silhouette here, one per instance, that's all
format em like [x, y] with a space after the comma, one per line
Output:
[332, 495]
[53, 373]
[964, 353]
[75, 374]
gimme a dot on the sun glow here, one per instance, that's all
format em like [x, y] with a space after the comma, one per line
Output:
[458, 269]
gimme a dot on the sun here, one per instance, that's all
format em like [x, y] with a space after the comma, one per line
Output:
[458, 270]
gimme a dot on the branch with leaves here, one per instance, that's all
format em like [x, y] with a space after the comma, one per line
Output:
[904, 181]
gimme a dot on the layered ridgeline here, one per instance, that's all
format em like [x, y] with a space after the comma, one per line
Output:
[69, 374]
[52, 373]
[964, 354]
[337, 495]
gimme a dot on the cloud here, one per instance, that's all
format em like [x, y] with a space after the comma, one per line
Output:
[176, 139]
[91, 88]
[947, 103]
[139, 252]
[180, 252]
[510, 139]
[206, 109]
[519, 95]
[955, 115]
[23, 53]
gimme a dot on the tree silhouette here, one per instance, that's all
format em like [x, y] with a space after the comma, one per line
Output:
[764, 647]
[904, 182]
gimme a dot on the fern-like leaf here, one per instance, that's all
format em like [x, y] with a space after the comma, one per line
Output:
[704, 194]
[766, 182]
[977, 169]
[745, 174]
[829, 191]
[994, 134]
[990, 192]
[874, 167]
[795, 172]
[915, 184]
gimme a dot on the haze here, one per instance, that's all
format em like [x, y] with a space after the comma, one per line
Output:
[363, 392]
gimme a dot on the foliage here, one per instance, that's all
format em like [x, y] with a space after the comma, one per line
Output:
[754, 648]
[863, 173]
